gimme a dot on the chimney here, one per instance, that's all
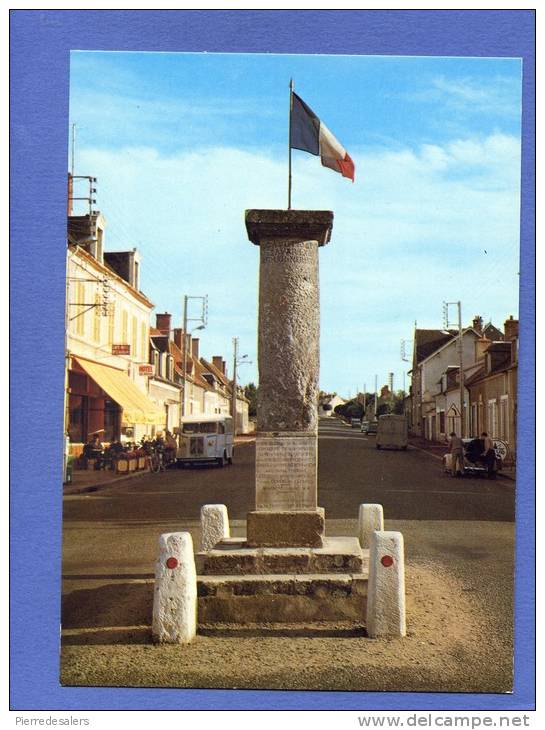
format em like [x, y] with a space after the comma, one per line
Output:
[224, 367]
[217, 361]
[70, 193]
[511, 328]
[195, 348]
[178, 337]
[481, 346]
[163, 323]
[478, 324]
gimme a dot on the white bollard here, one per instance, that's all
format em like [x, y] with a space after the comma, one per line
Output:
[386, 587]
[214, 525]
[175, 595]
[370, 518]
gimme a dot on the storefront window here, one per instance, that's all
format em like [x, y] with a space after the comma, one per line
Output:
[111, 421]
[77, 418]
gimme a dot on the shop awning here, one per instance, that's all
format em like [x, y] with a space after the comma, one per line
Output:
[137, 407]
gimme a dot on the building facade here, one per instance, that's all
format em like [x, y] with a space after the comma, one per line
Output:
[107, 334]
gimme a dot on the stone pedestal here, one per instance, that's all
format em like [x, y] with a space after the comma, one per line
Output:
[286, 511]
[240, 584]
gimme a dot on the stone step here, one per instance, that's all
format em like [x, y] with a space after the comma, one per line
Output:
[288, 599]
[232, 556]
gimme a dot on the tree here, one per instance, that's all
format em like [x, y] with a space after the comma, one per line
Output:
[250, 392]
[350, 409]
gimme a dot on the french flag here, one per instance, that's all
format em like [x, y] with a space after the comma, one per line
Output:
[309, 134]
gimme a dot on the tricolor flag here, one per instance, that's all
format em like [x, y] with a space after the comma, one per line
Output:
[309, 134]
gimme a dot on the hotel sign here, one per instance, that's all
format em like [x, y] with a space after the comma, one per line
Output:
[121, 349]
[145, 370]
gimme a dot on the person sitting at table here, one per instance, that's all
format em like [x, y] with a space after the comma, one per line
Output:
[94, 449]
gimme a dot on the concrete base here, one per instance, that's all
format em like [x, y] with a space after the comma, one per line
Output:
[286, 529]
[233, 556]
[295, 599]
[238, 583]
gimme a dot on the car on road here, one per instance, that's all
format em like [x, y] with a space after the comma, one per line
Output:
[204, 439]
[355, 422]
[475, 465]
[369, 427]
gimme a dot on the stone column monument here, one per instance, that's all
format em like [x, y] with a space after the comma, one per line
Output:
[287, 513]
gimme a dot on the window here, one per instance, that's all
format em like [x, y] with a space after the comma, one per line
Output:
[80, 299]
[504, 417]
[111, 324]
[97, 318]
[441, 421]
[77, 417]
[144, 341]
[124, 327]
[492, 419]
[134, 348]
[474, 423]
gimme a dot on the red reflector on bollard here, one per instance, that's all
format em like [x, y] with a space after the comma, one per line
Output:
[172, 563]
[387, 561]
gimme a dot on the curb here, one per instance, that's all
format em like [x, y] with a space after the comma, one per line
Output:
[69, 490]
[87, 488]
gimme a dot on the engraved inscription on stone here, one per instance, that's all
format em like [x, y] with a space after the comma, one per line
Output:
[286, 472]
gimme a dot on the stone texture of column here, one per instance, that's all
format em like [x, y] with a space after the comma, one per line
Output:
[370, 518]
[175, 593]
[289, 358]
[386, 588]
[214, 525]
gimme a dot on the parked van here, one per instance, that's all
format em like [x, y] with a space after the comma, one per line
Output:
[205, 439]
[392, 432]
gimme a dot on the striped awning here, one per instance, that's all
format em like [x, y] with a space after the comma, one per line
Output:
[136, 406]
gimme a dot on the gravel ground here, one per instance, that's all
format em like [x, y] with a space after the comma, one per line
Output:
[459, 581]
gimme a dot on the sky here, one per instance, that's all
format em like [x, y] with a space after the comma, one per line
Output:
[182, 144]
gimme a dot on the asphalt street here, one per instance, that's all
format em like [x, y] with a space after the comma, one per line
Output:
[459, 545]
[409, 484]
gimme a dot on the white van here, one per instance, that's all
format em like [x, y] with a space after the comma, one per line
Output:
[392, 432]
[205, 439]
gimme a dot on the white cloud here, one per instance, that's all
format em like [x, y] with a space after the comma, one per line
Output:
[418, 227]
[499, 95]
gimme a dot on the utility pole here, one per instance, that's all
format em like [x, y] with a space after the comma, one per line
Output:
[73, 150]
[460, 358]
[376, 395]
[203, 319]
[404, 358]
[234, 393]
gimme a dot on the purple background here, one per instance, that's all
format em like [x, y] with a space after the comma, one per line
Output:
[40, 46]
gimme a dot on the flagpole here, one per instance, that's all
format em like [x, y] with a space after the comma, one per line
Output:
[289, 145]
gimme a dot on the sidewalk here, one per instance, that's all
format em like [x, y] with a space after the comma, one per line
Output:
[438, 448]
[84, 480]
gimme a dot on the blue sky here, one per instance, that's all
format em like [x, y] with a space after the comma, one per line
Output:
[182, 144]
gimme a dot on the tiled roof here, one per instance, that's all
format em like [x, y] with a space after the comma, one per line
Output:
[426, 342]
[217, 373]
[492, 333]
[195, 368]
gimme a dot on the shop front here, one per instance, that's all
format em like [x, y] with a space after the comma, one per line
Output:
[104, 400]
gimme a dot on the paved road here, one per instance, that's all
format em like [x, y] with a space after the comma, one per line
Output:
[459, 551]
[409, 484]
